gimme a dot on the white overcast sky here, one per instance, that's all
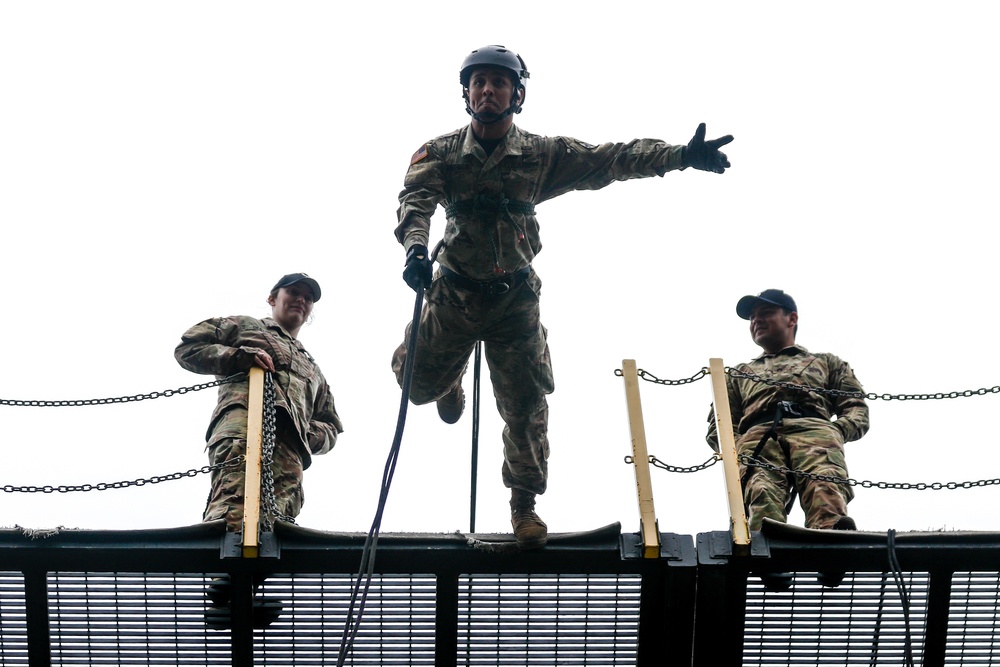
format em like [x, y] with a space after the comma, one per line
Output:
[166, 162]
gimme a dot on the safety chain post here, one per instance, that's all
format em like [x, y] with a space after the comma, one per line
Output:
[727, 447]
[640, 458]
[255, 444]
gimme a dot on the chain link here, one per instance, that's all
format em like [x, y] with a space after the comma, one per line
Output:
[167, 393]
[871, 396]
[649, 377]
[866, 484]
[267, 475]
[848, 481]
[669, 468]
[753, 377]
[105, 486]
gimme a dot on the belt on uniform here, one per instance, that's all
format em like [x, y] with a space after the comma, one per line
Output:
[487, 204]
[487, 287]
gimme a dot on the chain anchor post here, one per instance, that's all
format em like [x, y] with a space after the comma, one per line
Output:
[254, 457]
[649, 529]
[730, 462]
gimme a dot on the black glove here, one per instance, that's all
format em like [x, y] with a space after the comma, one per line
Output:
[705, 155]
[418, 270]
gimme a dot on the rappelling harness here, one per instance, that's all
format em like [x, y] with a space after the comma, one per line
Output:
[782, 409]
[502, 208]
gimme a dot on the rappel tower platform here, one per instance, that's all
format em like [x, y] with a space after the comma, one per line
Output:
[603, 597]
[593, 598]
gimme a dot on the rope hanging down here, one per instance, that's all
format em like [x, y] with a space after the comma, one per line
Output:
[904, 598]
[362, 583]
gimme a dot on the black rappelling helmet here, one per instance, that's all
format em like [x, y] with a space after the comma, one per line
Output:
[495, 55]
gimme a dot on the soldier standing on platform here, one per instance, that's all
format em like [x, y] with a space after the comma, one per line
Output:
[489, 176]
[791, 428]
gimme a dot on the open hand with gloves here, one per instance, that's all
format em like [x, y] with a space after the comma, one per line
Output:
[705, 155]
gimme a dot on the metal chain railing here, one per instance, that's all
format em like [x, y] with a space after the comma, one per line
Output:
[649, 377]
[269, 500]
[753, 377]
[670, 468]
[267, 480]
[106, 486]
[871, 396]
[866, 484]
[847, 481]
[167, 393]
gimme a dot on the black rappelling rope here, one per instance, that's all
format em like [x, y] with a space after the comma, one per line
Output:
[363, 582]
[904, 597]
[475, 436]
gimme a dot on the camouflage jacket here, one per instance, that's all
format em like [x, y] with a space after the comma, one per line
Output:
[226, 345]
[752, 401]
[525, 169]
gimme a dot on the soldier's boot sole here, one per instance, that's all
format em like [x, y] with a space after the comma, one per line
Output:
[451, 406]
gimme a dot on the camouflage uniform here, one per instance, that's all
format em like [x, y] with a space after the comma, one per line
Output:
[811, 444]
[492, 233]
[307, 420]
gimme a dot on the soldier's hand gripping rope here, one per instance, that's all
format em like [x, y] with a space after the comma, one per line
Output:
[419, 270]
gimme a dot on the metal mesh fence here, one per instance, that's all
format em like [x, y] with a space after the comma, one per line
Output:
[13, 620]
[548, 620]
[861, 622]
[973, 637]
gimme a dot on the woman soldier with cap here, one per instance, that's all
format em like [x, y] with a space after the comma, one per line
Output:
[307, 423]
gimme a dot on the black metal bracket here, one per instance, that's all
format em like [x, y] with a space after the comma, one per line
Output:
[232, 545]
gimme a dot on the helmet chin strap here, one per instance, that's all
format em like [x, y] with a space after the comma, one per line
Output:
[492, 118]
[489, 119]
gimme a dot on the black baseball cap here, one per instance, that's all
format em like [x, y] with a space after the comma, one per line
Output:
[293, 278]
[774, 297]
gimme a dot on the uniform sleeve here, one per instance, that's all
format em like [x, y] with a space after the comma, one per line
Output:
[735, 409]
[580, 166]
[208, 348]
[423, 190]
[852, 412]
[325, 424]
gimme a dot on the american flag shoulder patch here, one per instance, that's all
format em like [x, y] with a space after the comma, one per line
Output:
[419, 155]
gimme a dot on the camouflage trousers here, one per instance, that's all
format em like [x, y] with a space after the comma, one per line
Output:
[517, 354]
[229, 441]
[809, 445]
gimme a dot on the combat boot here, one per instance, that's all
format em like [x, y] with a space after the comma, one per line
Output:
[777, 581]
[833, 579]
[451, 405]
[529, 530]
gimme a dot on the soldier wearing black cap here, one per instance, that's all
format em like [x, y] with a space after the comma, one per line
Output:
[489, 176]
[792, 428]
[307, 420]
